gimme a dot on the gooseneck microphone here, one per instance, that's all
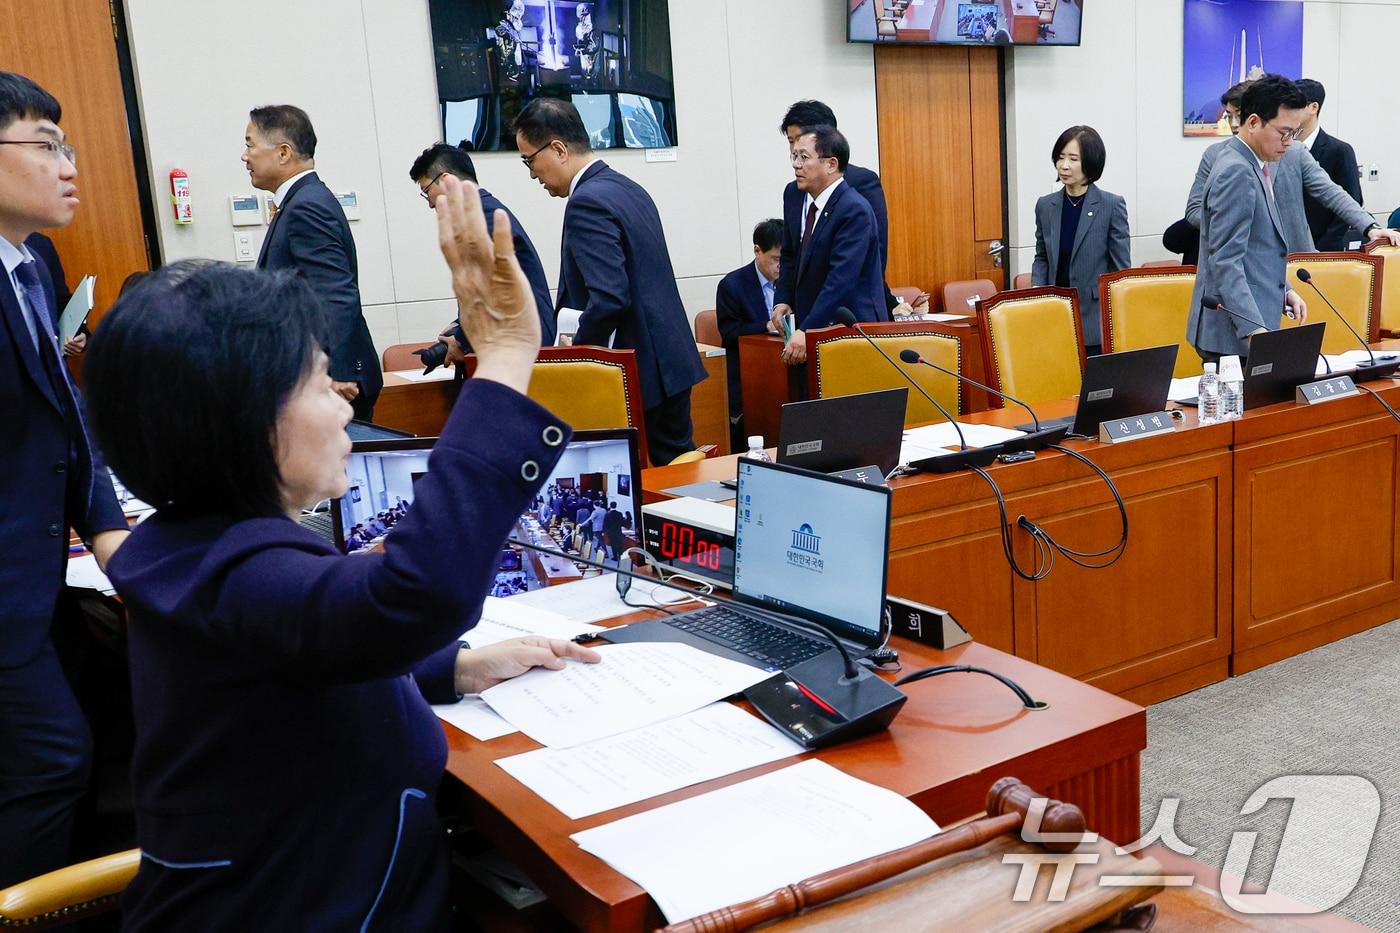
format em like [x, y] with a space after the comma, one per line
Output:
[1376, 369]
[949, 463]
[1036, 440]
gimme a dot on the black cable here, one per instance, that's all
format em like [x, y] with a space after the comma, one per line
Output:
[1045, 560]
[936, 670]
[1085, 559]
[1378, 398]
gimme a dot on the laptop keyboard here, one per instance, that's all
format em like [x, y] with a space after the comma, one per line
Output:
[320, 523]
[766, 643]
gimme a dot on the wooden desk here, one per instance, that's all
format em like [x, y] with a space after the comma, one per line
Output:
[422, 407]
[767, 384]
[955, 736]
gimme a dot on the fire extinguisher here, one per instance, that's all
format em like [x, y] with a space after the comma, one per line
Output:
[180, 196]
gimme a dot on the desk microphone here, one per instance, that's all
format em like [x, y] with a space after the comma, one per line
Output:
[817, 710]
[1375, 369]
[1217, 306]
[948, 463]
[1036, 440]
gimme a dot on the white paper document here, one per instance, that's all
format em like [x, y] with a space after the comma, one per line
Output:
[931, 440]
[503, 619]
[1340, 362]
[475, 718]
[441, 374]
[942, 318]
[83, 574]
[1182, 389]
[745, 840]
[711, 742]
[596, 598]
[77, 309]
[634, 685]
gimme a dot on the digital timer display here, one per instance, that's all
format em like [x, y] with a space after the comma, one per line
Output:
[686, 547]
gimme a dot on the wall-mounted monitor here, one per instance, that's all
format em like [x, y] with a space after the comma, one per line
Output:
[611, 58]
[964, 22]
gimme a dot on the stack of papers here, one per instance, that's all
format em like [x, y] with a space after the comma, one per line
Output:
[1183, 389]
[441, 374]
[595, 598]
[475, 718]
[1351, 359]
[934, 440]
[503, 619]
[745, 840]
[83, 574]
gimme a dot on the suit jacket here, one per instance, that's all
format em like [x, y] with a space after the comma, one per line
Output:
[52, 478]
[286, 765]
[1101, 244]
[529, 263]
[42, 248]
[617, 271]
[840, 265]
[1338, 160]
[1244, 255]
[1298, 173]
[739, 310]
[311, 235]
[867, 183]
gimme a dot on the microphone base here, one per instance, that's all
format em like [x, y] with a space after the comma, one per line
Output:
[958, 460]
[1036, 440]
[834, 712]
[1368, 372]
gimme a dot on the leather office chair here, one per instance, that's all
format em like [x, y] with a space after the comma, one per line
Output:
[841, 362]
[1022, 280]
[1161, 264]
[1148, 308]
[707, 329]
[1032, 343]
[1352, 281]
[962, 297]
[907, 293]
[1390, 286]
[69, 894]
[400, 356]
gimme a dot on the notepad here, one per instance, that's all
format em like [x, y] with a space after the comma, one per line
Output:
[77, 309]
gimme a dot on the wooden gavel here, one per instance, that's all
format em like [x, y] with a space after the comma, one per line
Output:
[1008, 801]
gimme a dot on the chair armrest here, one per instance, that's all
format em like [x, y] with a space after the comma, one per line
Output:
[68, 893]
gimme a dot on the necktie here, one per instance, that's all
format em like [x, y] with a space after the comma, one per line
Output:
[272, 210]
[811, 222]
[1268, 179]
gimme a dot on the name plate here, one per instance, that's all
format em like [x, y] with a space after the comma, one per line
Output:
[1325, 390]
[1131, 429]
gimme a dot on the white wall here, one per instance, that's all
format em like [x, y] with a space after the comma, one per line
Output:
[363, 70]
[1125, 81]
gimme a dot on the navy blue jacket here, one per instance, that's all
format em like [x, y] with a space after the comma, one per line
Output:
[739, 310]
[311, 235]
[286, 764]
[840, 267]
[1338, 159]
[617, 271]
[529, 263]
[51, 478]
[42, 248]
[867, 182]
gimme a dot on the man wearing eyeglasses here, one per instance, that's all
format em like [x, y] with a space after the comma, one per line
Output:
[615, 269]
[52, 480]
[427, 173]
[1244, 251]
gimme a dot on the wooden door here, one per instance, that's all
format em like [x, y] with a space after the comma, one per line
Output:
[73, 54]
[941, 164]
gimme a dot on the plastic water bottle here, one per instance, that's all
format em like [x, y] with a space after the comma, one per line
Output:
[1208, 396]
[756, 449]
[1231, 389]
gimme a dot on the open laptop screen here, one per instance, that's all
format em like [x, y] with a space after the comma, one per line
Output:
[812, 545]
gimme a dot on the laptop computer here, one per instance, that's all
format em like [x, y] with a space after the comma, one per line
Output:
[844, 431]
[805, 544]
[1118, 385]
[1280, 361]
[368, 431]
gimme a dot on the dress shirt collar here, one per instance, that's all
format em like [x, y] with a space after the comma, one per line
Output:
[579, 175]
[280, 194]
[762, 279]
[1312, 138]
[822, 199]
[11, 256]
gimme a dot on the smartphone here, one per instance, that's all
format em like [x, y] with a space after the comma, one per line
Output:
[1017, 456]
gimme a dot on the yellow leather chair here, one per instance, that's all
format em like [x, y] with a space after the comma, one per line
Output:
[841, 362]
[69, 894]
[1147, 307]
[400, 356]
[1353, 283]
[1032, 344]
[1390, 286]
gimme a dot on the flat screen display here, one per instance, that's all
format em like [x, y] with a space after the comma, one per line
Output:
[965, 22]
[611, 58]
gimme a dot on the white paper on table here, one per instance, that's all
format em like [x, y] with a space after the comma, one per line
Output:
[441, 374]
[595, 598]
[634, 685]
[84, 574]
[941, 317]
[1349, 359]
[751, 838]
[711, 742]
[936, 436]
[1184, 388]
[474, 717]
[503, 619]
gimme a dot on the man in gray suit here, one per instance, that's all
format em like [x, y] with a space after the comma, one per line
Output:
[1244, 249]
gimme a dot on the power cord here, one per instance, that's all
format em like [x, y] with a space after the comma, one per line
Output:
[1025, 698]
[1377, 396]
[1045, 557]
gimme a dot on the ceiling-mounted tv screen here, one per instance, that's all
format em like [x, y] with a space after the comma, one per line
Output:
[965, 22]
[612, 58]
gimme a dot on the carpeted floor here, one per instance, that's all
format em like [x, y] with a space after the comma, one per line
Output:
[1331, 711]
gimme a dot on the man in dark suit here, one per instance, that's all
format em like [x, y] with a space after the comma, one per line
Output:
[613, 523]
[1338, 160]
[427, 173]
[43, 249]
[309, 233]
[744, 305]
[837, 260]
[615, 269]
[52, 479]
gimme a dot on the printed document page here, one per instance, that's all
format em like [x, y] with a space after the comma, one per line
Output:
[503, 619]
[475, 718]
[748, 839]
